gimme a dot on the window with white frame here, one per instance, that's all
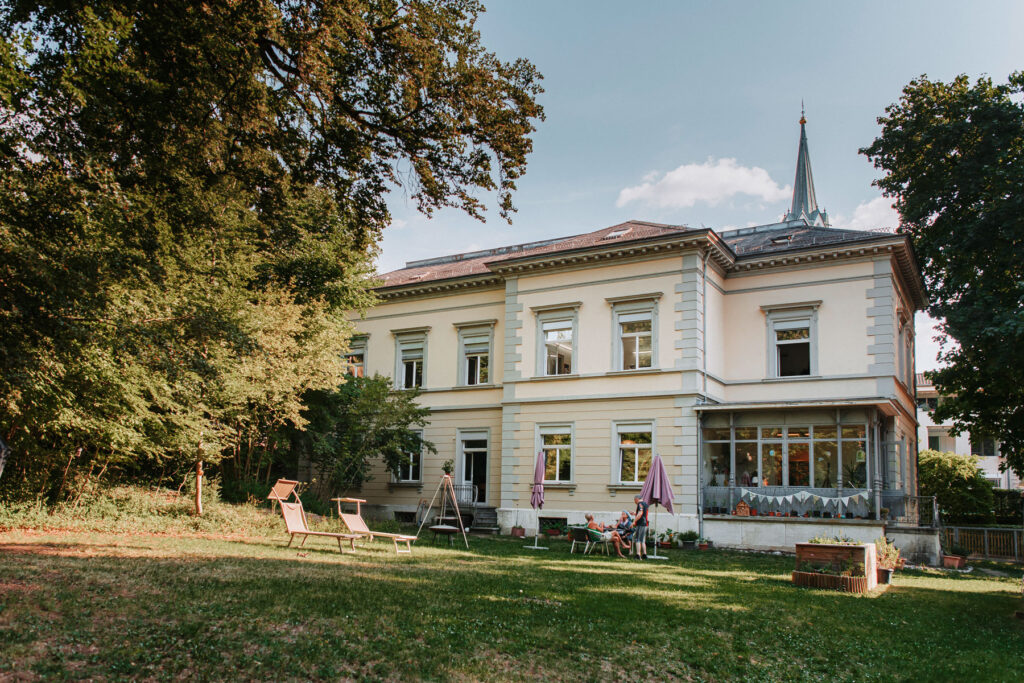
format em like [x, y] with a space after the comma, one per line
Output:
[557, 348]
[410, 357]
[556, 444]
[985, 448]
[792, 340]
[356, 357]
[410, 469]
[635, 444]
[475, 355]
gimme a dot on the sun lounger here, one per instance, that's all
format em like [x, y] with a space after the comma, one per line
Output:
[356, 525]
[295, 519]
[283, 489]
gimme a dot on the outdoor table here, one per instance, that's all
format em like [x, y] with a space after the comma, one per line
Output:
[445, 530]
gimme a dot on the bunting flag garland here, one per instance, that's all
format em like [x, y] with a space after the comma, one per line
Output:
[828, 502]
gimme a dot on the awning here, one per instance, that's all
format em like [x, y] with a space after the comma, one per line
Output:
[886, 405]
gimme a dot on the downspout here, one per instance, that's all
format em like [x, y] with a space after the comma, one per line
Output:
[704, 326]
[700, 475]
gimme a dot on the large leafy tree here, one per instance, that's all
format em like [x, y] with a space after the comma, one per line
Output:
[190, 198]
[953, 156]
[959, 485]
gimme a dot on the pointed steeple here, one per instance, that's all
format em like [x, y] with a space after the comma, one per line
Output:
[805, 204]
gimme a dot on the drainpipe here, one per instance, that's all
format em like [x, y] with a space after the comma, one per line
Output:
[700, 475]
[704, 325]
[878, 468]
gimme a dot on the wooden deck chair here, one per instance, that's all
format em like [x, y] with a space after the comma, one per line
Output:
[356, 525]
[295, 520]
[283, 489]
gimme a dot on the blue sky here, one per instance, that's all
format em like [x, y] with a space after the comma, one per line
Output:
[687, 112]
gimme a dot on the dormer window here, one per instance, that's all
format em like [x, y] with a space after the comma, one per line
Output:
[618, 232]
[784, 239]
[419, 276]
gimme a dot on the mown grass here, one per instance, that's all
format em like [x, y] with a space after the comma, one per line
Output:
[81, 604]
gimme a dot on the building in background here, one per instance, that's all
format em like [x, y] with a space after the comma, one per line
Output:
[937, 437]
[771, 364]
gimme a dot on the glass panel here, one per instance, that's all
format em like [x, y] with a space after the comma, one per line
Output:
[627, 465]
[853, 431]
[556, 439]
[557, 325]
[558, 345]
[794, 359]
[799, 464]
[746, 463]
[771, 432]
[551, 464]
[855, 464]
[771, 464]
[716, 464]
[798, 432]
[717, 434]
[634, 327]
[564, 464]
[746, 433]
[629, 359]
[485, 362]
[794, 334]
[634, 437]
[472, 365]
[470, 444]
[933, 442]
[644, 463]
[825, 463]
[824, 432]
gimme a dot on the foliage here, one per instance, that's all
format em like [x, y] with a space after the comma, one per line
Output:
[347, 428]
[959, 550]
[959, 485]
[191, 195]
[496, 613]
[689, 535]
[667, 536]
[887, 552]
[953, 157]
[841, 539]
[1008, 505]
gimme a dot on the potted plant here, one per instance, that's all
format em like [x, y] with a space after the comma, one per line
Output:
[888, 559]
[703, 543]
[518, 531]
[448, 466]
[665, 538]
[689, 539]
[956, 558]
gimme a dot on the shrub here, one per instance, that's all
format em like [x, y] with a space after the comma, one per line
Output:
[1007, 506]
[834, 540]
[888, 553]
[963, 493]
[689, 536]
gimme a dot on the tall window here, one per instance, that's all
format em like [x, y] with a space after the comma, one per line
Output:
[983, 447]
[854, 456]
[717, 457]
[356, 360]
[798, 455]
[475, 355]
[558, 347]
[410, 358]
[771, 456]
[826, 457]
[635, 332]
[934, 442]
[556, 443]
[635, 446]
[409, 470]
[792, 340]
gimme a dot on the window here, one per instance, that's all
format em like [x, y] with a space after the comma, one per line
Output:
[475, 354]
[409, 471]
[798, 456]
[716, 456]
[854, 450]
[356, 357]
[410, 358]
[927, 404]
[826, 457]
[933, 442]
[557, 333]
[616, 233]
[556, 443]
[635, 445]
[985, 448]
[635, 328]
[792, 339]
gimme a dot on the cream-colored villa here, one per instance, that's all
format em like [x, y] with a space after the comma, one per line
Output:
[772, 365]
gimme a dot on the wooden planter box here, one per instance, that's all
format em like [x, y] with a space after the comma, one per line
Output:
[850, 584]
[836, 556]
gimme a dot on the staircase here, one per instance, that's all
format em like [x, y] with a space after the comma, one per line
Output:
[485, 520]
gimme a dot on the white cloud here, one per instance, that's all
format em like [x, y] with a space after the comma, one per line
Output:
[710, 182]
[927, 339]
[398, 223]
[875, 213]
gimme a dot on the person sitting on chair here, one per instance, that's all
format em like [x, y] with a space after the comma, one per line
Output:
[623, 533]
[606, 534]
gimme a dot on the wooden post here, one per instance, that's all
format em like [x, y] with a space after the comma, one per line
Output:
[199, 488]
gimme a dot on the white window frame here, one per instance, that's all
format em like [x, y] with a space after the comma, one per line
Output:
[645, 304]
[557, 313]
[409, 339]
[357, 346]
[472, 333]
[788, 316]
[558, 428]
[402, 479]
[628, 426]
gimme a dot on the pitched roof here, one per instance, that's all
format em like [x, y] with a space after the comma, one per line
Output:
[790, 236]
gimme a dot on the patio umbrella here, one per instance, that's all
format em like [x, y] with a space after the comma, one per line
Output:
[657, 490]
[537, 497]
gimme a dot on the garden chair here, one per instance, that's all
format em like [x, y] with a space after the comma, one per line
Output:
[283, 489]
[589, 538]
[295, 520]
[357, 526]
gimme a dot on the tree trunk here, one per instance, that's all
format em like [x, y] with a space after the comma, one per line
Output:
[199, 488]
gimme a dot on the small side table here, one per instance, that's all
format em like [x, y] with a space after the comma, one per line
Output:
[445, 530]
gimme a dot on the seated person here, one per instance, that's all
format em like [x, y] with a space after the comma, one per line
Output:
[623, 533]
[606, 534]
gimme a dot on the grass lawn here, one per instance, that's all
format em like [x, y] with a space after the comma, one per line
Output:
[79, 604]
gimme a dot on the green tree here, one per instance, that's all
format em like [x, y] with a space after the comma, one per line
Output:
[953, 156]
[346, 430]
[959, 485]
[191, 195]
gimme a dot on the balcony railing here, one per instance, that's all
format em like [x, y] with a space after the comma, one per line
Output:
[820, 502]
[921, 511]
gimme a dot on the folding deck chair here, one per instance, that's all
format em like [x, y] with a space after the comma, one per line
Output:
[283, 489]
[295, 520]
[356, 525]
[588, 538]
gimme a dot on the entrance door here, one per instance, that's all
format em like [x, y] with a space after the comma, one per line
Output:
[473, 464]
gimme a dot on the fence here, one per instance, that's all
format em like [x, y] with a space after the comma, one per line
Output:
[920, 511]
[996, 544]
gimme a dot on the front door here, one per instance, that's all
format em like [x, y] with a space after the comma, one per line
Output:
[473, 465]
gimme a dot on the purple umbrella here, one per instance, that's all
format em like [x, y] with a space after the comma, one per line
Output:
[537, 497]
[657, 489]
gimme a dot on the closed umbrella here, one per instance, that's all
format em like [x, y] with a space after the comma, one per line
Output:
[657, 490]
[537, 497]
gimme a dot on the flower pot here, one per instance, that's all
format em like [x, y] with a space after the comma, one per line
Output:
[954, 561]
[664, 544]
[703, 546]
[884, 575]
[518, 532]
[689, 545]
[553, 532]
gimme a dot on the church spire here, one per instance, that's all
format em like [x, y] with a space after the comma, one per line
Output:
[805, 204]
